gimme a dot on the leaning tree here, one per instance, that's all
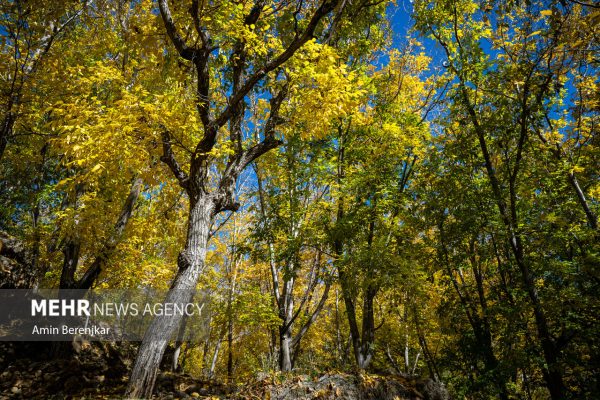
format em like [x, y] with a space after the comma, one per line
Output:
[236, 50]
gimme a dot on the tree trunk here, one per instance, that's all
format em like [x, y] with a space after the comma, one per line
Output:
[361, 344]
[365, 355]
[509, 216]
[230, 350]
[215, 357]
[285, 356]
[285, 329]
[6, 129]
[175, 366]
[190, 266]
[591, 217]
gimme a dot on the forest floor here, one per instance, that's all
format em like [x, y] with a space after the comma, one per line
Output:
[99, 371]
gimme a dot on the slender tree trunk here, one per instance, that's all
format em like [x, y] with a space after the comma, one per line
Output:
[508, 213]
[176, 353]
[479, 324]
[230, 350]
[591, 217]
[285, 329]
[282, 300]
[338, 332]
[190, 266]
[429, 357]
[178, 344]
[233, 257]
[7, 127]
[361, 344]
[406, 355]
[215, 357]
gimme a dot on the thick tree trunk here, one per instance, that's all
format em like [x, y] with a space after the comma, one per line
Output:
[161, 330]
[365, 353]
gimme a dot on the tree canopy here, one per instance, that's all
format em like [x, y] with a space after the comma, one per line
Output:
[352, 195]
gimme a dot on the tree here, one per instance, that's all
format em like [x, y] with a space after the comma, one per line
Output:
[256, 55]
[376, 154]
[30, 30]
[503, 120]
[289, 201]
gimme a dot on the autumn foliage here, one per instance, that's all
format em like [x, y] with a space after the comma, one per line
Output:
[419, 201]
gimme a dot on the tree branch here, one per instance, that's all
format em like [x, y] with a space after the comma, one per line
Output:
[114, 239]
[184, 50]
[299, 41]
[168, 158]
[312, 318]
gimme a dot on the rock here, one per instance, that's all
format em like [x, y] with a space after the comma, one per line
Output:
[195, 395]
[342, 386]
[434, 390]
[15, 390]
[181, 395]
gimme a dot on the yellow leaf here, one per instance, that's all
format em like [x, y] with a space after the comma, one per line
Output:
[63, 182]
[96, 167]
[546, 13]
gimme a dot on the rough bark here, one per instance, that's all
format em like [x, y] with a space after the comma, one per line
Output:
[190, 267]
